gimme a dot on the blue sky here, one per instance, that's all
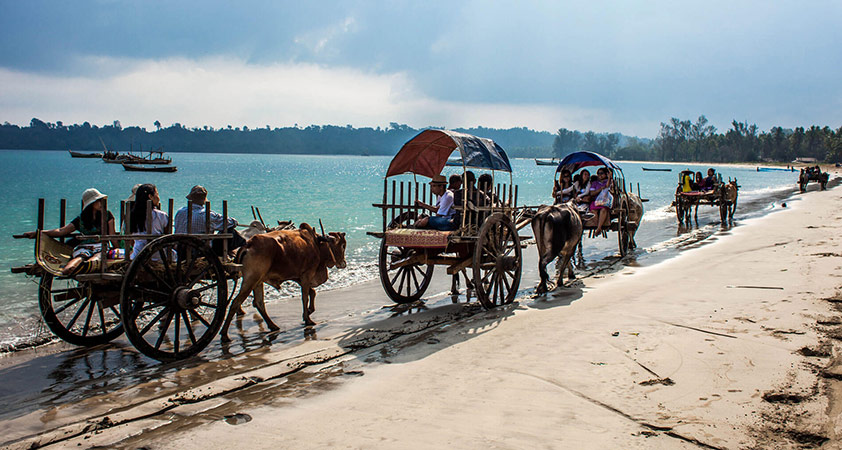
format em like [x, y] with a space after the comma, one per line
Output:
[605, 66]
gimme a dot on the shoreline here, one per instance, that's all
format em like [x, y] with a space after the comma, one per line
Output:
[668, 246]
[697, 356]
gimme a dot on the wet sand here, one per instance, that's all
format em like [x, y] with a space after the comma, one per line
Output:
[700, 350]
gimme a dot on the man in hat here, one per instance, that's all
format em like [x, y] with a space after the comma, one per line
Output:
[198, 196]
[443, 209]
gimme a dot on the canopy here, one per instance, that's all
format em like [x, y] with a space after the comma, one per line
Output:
[427, 153]
[576, 161]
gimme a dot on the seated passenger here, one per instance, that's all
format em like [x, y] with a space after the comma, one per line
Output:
[198, 197]
[699, 182]
[89, 222]
[485, 185]
[581, 199]
[710, 181]
[601, 199]
[443, 209]
[564, 188]
[138, 216]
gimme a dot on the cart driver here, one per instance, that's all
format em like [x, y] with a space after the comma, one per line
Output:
[710, 181]
[198, 196]
[443, 209]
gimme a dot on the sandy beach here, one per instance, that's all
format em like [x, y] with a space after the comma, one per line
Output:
[731, 344]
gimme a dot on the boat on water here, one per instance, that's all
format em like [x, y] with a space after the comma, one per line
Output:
[84, 155]
[116, 158]
[454, 162]
[546, 162]
[154, 168]
[776, 169]
[652, 169]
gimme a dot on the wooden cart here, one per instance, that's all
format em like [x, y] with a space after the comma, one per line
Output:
[722, 195]
[170, 300]
[486, 240]
[809, 174]
[627, 208]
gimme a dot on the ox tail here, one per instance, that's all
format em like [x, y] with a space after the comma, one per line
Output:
[241, 253]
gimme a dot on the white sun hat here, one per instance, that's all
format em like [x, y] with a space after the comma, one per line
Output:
[91, 195]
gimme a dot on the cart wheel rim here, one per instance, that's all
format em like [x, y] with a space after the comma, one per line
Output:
[174, 298]
[497, 263]
[79, 313]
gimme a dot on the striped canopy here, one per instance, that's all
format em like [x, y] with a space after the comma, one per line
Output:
[426, 154]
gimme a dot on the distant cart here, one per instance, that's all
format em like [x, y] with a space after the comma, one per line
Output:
[486, 241]
[170, 300]
[723, 195]
[815, 174]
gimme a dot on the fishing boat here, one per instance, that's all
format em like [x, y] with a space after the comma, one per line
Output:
[652, 169]
[84, 155]
[545, 162]
[154, 168]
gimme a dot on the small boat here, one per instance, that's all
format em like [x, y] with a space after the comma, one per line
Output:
[84, 155]
[775, 169]
[652, 169]
[544, 162]
[454, 162]
[136, 168]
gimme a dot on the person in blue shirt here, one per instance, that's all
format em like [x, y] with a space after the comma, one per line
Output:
[198, 196]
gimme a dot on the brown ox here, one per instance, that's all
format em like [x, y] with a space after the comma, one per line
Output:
[635, 216]
[286, 255]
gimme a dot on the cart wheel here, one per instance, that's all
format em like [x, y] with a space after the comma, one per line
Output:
[79, 313]
[408, 283]
[174, 298]
[497, 262]
[623, 231]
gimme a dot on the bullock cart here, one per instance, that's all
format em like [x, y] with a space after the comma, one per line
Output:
[486, 240]
[170, 300]
[626, 209]
[722, 195]
[809, 174]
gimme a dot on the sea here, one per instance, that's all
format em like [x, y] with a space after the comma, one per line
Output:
[338, 190]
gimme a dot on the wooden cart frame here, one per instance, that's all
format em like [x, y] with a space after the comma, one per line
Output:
[620, 217]
[170, 300]
[486, 240]
[720, 196]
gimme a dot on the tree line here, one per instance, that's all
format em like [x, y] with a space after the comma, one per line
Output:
[314, 139]
[677, 140]
[698, 141]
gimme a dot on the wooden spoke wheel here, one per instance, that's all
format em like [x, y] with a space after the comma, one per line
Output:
[403, 277]
[623, 233]
[497, 262]
[80, 313]
[174, 298]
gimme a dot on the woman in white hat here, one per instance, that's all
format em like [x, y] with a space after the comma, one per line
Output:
[87, 223]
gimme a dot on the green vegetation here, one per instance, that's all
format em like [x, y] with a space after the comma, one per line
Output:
[678, 140]
[683, 140]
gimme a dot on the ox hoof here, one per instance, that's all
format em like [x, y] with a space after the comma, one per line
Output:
[241, 311]
[541, 289]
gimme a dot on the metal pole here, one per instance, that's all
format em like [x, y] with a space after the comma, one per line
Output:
[189, 216]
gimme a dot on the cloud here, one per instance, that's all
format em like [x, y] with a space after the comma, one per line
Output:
[225, 91]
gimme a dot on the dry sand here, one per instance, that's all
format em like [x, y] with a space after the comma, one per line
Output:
[730, 345]
[733, 344]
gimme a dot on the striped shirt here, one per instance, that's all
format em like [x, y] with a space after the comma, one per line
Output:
[198, 220]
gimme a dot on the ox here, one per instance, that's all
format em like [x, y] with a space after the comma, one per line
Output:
[558, 231]
[635, 216]
[286, 255]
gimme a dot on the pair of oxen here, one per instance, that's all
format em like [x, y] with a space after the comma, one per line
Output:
[558, 232]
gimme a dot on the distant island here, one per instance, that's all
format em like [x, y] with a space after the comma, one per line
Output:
[677, 140]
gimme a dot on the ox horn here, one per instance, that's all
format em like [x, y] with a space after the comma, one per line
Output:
[322, 227]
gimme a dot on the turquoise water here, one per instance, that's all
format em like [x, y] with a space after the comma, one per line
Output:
[339, 190]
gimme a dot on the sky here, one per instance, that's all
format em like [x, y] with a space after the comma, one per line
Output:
[607, 66]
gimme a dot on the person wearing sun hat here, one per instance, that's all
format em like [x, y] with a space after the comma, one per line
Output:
[88, 222]
[443, 209]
